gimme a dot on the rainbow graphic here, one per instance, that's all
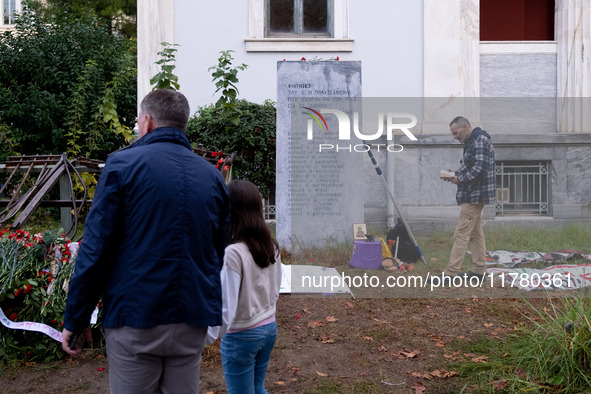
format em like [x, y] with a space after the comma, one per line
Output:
[315, 115]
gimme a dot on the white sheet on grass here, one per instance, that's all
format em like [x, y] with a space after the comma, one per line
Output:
[556, 277]
[312, 279]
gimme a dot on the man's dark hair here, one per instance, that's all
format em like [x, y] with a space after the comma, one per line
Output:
[168, 108]
[460, 120]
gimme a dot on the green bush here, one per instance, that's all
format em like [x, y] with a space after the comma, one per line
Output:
[64, 85]
[252, 138]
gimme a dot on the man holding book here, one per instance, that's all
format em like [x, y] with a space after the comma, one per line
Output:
[476, 186]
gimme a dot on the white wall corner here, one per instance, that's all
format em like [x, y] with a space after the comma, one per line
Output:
[155, 24]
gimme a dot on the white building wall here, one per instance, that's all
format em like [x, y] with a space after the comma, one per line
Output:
[392, 62]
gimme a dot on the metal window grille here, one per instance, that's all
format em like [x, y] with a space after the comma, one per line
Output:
[268, 210]
[523, 188]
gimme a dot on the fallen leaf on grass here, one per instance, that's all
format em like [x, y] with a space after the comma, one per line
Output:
[455, 356]
[419, 388]
[280, 383]
[314, 323]
[488, 324]
[421, 375]
[499, 384]
[383, 348]
[368, 338]
[331, 319]
[443, 374]
[326, 340]
[321, 374]
[479, 359]
[406, 354]
[350, 304]
[434, 374]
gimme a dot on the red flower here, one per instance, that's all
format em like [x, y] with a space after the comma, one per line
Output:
[53, 321]
[303, 58]
[337, 58]
[13, 316]
[214, 154]
[27, 289]
[18, 292]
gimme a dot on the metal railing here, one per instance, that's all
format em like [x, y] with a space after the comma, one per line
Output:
[523, 188]
[268, 210]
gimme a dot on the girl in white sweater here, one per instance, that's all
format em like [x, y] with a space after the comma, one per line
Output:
[251, 277]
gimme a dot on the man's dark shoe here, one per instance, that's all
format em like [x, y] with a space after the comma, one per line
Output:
[471, 274]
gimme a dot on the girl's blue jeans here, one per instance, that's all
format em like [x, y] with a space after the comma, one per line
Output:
[245, 356]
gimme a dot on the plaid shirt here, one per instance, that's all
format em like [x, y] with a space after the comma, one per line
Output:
[476, 176]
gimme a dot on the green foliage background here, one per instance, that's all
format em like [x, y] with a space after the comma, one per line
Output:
[66, 84]
[120, 16]
[252, 138]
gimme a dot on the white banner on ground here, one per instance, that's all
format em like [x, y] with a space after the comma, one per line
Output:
[30, 326]
[38, 327]
[557, 277]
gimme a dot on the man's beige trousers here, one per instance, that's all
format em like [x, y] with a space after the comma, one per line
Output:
[469, 229]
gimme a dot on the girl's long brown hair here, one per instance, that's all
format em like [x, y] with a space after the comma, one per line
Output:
[248, 225]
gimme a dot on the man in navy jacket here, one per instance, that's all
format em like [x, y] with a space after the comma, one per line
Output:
[153, 248]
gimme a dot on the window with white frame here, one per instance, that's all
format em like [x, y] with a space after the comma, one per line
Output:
[293, 18]
[9, 10]
[299, 26]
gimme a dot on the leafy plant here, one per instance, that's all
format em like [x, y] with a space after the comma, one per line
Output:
[165, 78]
[551, 354]
[252, 138]
[226, 77]
[233, 125]
[54, 72]
[7, 141]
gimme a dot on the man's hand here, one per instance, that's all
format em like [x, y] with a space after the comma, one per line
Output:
[67, 338]
[453, 180]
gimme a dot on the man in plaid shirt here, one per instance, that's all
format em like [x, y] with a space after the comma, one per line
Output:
[476, 187]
